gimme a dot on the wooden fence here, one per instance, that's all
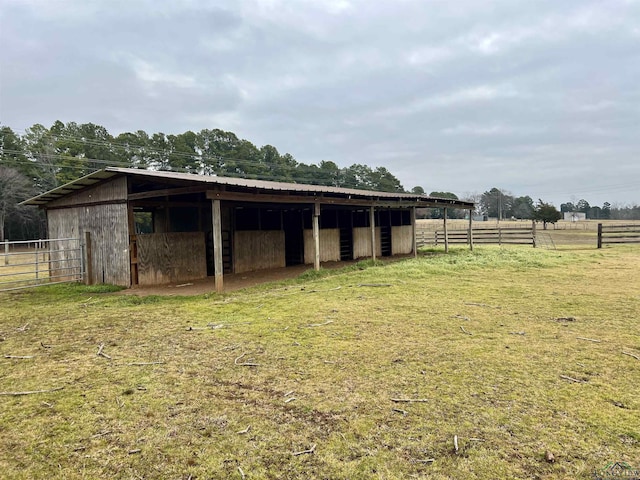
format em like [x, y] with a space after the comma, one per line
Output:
[609, 234]
[481, 236]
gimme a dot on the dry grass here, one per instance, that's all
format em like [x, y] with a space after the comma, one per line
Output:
[341, 349]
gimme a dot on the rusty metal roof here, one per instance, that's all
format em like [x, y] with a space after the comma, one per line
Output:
[109, 172]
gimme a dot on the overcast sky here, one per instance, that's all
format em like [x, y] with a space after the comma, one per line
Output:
[537, 97]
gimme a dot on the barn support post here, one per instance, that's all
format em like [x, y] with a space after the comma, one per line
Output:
[470, 234]
[446, 233]
[414, 232]
[316, 236]
[216, 219]
[6, 252]
[372, 221]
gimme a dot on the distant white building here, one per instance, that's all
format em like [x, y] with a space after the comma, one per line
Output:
[574, 216]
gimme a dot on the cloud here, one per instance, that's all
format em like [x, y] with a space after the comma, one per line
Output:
[457, 95]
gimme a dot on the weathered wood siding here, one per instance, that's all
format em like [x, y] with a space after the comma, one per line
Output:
[109, 230]
[258, 250]
[362, 242]
[171, 258]
[110, 190]
[329, 245]
[401, 240]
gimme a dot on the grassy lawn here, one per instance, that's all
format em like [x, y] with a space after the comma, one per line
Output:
[516, 352]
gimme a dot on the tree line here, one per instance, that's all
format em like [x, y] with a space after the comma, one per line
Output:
[43, 158]
[496, 203]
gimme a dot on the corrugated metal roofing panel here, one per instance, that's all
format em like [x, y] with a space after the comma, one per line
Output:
[109, 172]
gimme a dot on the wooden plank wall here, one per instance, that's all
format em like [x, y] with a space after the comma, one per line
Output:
[171, 258]
[401, 240]
[329, 245]
[362, 242]
[109, 230]
[115, 189]
[258, 250]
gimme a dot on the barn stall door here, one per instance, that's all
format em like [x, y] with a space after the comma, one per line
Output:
[171, 257]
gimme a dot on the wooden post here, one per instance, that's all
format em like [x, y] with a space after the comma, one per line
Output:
[446, 233]
[599, 235]
[372, 221]
[533, 233]
[415, 231]
[216, 219]
[470, 235]
[88, 267]
[6, 253]
[316, 236]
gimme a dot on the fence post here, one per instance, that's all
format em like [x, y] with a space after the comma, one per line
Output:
[470, 234]
[6, 253]
[533, 232]
[446, 233]
[37, 265]
[599, 235]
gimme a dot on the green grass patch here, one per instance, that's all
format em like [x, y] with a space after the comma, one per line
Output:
[217, 386]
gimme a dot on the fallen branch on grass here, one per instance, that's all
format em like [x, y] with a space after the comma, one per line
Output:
[409, 400]
[17, 394]
[426, 460]
[246, 430]
[571, 379]
[44, 346]
[141, 364]
[455, 443]
[516, 333]
[320, 324]
[101, 353]
[464, 331]
[318, 291]
[375, 285]
[399, 410]
[461, 317]
[302, 452]
[19, 357]
[24, 328]
[245, 364]
[631, 355]
[241, 473]
[290, 399]
[589, 339]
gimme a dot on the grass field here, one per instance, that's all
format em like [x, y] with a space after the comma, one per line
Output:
[529, 358]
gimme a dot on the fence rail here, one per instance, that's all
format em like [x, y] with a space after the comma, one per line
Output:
[484, 236]
[27, 264]
[612, 234]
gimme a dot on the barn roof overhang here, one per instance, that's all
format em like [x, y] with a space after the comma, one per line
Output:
[165, 184]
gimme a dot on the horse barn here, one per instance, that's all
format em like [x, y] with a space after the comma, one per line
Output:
[143, 228]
